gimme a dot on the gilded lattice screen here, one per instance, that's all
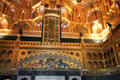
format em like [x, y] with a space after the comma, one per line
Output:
[51, 27]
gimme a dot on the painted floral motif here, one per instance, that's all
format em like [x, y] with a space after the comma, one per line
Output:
[49, 62]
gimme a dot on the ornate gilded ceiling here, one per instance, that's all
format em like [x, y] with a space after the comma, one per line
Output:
[87, 16]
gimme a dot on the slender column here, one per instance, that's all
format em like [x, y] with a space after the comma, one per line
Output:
[85, 61]
[103, 58]
[115, 54]
[114, 49]
[16, 53]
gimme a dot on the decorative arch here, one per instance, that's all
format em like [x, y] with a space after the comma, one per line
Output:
[80, 28]
[74, 79]
[24, 78]
[11, 12]
[3, 23]
[50, 61]
[38, 23]
[21, 24]
[94, 14]
[1, 7]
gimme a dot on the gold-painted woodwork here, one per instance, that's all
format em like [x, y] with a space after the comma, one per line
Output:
[107, 13]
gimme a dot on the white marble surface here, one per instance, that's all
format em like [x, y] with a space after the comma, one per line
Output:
[49, 77]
